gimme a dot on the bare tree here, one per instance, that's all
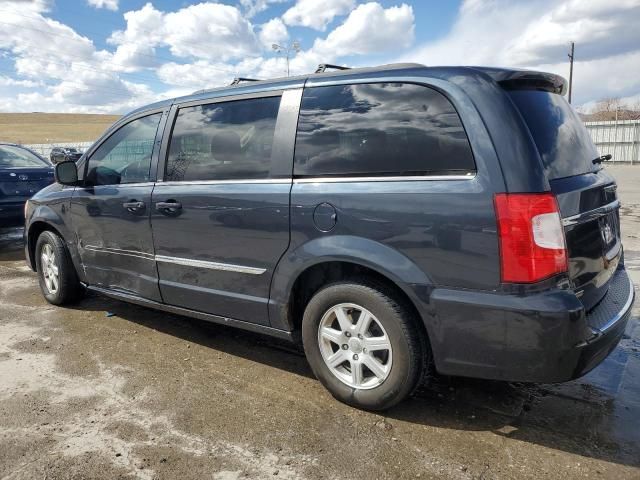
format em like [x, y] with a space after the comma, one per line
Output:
[606, 109]
[612, 108]
[635, 110]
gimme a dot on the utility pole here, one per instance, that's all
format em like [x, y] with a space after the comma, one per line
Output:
[287, 49]
[571, 70]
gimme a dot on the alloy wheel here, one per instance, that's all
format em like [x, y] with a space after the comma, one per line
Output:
[355, 346]
[50, 271]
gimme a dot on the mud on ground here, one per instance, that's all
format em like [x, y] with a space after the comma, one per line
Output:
[110, 390]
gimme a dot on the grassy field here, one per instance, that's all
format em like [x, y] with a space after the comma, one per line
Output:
[52, 127]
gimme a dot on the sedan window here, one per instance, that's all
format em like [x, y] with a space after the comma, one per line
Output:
[16, 157]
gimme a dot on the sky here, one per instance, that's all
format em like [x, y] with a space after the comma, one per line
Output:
[111, 56]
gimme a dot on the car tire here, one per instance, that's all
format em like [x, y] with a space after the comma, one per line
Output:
[372, 379]
[56, 274]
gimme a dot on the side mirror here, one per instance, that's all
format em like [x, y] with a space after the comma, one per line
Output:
[67, 173]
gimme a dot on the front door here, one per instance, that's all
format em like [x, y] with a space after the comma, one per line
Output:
[110, 212]
[221, 214]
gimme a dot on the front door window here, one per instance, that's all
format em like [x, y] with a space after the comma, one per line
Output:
[125, 157]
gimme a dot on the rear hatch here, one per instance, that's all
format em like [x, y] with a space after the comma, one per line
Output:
[586, 192]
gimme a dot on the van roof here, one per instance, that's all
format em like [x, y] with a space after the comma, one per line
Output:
[507, 77]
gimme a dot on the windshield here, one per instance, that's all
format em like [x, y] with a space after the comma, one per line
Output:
[562, 139]
[11, 157]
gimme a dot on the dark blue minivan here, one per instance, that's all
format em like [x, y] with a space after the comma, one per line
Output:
[396, 221]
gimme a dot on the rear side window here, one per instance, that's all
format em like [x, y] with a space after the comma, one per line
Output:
[223, 141]
[562, 139]
[379, 129]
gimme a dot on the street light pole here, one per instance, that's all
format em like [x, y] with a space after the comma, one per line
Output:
[571, 69]
[287, 49]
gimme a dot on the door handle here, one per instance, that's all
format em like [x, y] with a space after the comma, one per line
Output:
[169, 207]
[133, 205]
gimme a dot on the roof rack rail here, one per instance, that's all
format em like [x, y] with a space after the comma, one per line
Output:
[237, 80]
[323, 67]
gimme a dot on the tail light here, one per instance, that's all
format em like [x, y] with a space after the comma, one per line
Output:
[532, 243]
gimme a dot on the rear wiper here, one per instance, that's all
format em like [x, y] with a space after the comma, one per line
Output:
[601, 159]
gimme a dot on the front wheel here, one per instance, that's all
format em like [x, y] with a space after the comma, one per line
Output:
[57, 276]
[363, 345]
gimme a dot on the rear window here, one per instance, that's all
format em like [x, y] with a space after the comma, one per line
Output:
[562, 139]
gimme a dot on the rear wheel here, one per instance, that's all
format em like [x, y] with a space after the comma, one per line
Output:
[363, 345]
[57, 276]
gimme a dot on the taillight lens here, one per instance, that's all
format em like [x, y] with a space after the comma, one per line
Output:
[532, 243]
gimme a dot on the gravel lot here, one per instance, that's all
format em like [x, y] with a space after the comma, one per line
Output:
[110, 390]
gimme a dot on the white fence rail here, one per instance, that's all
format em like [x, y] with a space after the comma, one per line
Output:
[621, 139]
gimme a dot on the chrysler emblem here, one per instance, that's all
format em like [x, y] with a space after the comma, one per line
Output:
[23, 177]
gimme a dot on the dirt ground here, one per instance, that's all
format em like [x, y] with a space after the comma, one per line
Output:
[110, 390]
[53, 127]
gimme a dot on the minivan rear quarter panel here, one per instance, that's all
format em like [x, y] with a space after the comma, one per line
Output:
[402, 213]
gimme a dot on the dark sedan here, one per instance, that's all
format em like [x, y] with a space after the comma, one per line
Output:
[22, 174]
[61, 154]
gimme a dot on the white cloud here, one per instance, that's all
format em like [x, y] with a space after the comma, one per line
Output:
[206, 30]
[514, 34]
[57, 69]
[611, 76]
[130, 57]
[12, 82]
[41, 47]
[197, 75]
[600, 28]
[145, 23]
[274, 31]
[69, 71]
[253, 7]
[370, 28]
[233, 49]
[316, 14]
[108, 4]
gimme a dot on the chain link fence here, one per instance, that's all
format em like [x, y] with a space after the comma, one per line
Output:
[44, 149]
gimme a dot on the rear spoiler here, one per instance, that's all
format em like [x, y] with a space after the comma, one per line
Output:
[526, 80]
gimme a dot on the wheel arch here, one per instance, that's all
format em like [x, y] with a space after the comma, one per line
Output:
[305, 270]
[35, 230]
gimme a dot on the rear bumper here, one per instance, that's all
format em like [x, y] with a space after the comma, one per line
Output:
[546, 337]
